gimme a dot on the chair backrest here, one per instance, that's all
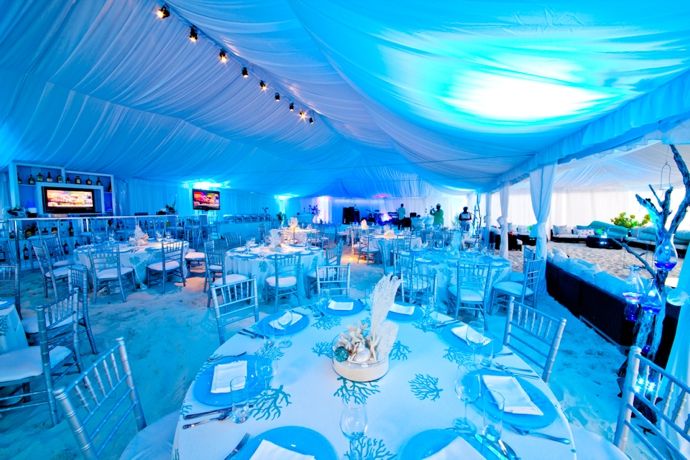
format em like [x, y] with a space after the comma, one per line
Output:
[54, 247]
[231, 300]
[403, 260]
[334, 279]
[659, 401]
[232, 240]
[43, 258]
[528, 254]
[104, 256]
[534, 335]
[476, 276]
[214, 260]
[418, 285]
[9, 284]
[172, 251]
[334, 254]
[286, 265]
[79, 284]
[100, 400]
[533, 274]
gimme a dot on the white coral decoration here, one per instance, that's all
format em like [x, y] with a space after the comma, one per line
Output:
[139, 236]
[383, 333]
[274, 238]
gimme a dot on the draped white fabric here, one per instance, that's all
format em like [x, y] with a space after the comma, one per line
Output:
[541, 187]
[106, 86]
[487, 215]
[504, 219]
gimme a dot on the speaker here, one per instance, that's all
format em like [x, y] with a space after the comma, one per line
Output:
[350, 215]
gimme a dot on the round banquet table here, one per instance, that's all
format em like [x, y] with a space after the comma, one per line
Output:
[416, 395]
[257, 262]
[137, 257]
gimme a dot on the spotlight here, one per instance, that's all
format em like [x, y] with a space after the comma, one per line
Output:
[292, 106]
[263, 85]
[277, 97]
[245, 72]
[302, 115]
[193, 34]
[163, 12]
[311, 120]
[223, 56]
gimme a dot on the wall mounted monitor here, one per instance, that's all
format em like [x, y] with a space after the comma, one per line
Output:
[61, 200]
[206, 200]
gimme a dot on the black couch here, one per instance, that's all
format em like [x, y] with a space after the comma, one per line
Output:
[604, 310]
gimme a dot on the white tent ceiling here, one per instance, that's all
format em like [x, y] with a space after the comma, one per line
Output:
[455, 94]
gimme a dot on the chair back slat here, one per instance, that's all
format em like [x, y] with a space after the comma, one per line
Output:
[334, 279]
[111, 401]
[9, 284]
[231, 301]
[534, 335]
[418, 285]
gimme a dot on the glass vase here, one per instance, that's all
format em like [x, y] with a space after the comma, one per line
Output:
[635, 289]
[665, 255]
[652, 301]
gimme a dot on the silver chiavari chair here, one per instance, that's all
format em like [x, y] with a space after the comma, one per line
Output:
[79, 284]
[99, 403]
[418, 285]
[171, 263]
[55, 355]
[285, 278]
[106, 269]
[50, 275]
[470, 288]
[233, 302]
[525, 292]
[534, 335]
[9, 286]
[334, 279]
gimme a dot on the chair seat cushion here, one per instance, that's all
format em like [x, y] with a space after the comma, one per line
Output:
[215, 268]
[517, 277]
[195, 255]
[169, 265]
[26, 362]
[511, 288]
[230, 278]
[111, 273]
[594, 446]
[30, 322]
[60, 272]
[155, 442]
[63, 263]
[283, 281]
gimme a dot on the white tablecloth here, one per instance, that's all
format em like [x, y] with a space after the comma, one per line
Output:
[416, 395]
[258, 264]
[12, 335]
[137, 257]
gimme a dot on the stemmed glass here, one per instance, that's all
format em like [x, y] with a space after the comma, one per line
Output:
[634, 292]
[474, 335]
[468, 389]
[493, 405]
[353, 424]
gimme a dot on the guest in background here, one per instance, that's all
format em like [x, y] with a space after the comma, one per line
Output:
[465, 220]
[401, 215]
[438, 215]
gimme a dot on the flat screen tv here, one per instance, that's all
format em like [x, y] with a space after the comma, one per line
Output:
[206, 200]
[68, 201]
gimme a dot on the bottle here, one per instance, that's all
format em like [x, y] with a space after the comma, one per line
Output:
[70, 230]
[59, 178]
[44, 231]
[28, 232]
[77, 180]
[39, 177]
[49, 178]
[25, 252]
[19, 179]
[3, 257]
[53, 230]
[88, 181]
[98, 182]
[76, 244]
[65, 248]
[68, 180]
[12, 234]
[31, 180]
[110, 187]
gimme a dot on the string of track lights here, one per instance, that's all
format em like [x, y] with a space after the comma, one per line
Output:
[164, 12]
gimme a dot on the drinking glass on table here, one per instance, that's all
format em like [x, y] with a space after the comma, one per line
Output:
[353, 424]
[493, 407]
[488, 351]
[467, 389]
[474, 335]
[239, 391]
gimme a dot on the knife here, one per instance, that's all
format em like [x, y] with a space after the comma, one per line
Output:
[208, 412]
[239, 446]
[453, 321]
[510, 453]
[255, 334]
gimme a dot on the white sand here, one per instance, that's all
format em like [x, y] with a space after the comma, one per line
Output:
[169, 336]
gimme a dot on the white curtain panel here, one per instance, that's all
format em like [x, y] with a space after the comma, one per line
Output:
[487, 216]
[505, 197]
[541, 188]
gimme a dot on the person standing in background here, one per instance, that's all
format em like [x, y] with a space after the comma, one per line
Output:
[401, 215]
[438, 215]
[465, 220]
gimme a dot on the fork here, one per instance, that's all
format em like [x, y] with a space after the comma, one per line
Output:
[539, 434]
[216, 358]
[223, 415]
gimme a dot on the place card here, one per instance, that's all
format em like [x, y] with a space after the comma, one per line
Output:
[461, 333]
[458, 448]
[269, 451]
[224, 373]
[342, 306]
[402, 309]
[517, 401]
[287, 319]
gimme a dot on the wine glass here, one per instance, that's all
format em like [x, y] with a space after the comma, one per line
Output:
[634, 292]
[474, 336]
[353, 424]
[493, 407]
[468, 389]
[239, 390]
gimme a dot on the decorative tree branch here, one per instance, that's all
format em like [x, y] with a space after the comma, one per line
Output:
[683, 209]
[638, 256]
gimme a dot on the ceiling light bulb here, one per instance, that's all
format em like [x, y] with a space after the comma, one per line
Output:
[193, 34]
[277, 97]
[163, 12]
[302, 115]
[292, 106]
[245, 72]
[263, 85]
[223, 56]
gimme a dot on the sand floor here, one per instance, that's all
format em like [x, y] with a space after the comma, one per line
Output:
[169, 336]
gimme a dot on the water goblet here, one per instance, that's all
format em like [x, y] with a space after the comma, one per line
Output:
[493, 407]
[239, 391]
[467, 389]
[488, 351]
[474, 336]
[353, 424]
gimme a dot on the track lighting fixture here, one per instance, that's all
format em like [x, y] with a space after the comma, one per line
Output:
[193, 34]
[277, 97]
[245, 72]
[263, 85]
[223, 56]
[163, 12]
[292, 106]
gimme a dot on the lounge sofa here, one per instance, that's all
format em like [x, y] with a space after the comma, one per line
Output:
[645, 238]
